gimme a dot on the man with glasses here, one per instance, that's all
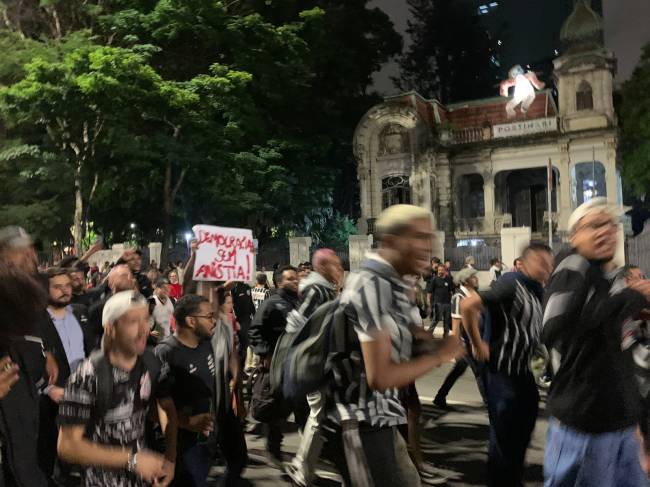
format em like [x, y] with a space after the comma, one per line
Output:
[205, 417]
[594, 400]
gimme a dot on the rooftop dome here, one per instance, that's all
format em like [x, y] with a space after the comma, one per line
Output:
[583, 29]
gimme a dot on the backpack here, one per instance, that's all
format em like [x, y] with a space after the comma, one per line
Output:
[104, 374]
[306, 367]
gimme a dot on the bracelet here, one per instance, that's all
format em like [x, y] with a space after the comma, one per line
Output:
[132, 462]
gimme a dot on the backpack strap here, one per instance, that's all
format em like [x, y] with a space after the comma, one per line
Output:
[104, 374]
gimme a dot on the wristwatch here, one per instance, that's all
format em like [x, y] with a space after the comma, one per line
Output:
[132, 462]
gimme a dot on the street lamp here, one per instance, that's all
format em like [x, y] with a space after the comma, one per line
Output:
[188, 237]
[132, 226]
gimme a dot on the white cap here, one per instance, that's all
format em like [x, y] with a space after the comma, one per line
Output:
[121, 303]
[594, 205]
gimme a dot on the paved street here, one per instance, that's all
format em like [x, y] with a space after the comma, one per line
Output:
[455, 442]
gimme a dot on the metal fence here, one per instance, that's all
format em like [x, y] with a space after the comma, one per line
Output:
[482, 254]
[271, 253]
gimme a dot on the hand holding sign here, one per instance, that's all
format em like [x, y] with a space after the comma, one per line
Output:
[223, 254]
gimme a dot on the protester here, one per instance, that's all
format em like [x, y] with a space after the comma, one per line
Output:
[133, 258]
[119, 279]
[69, 323]
[439, 295]
[594, 401]
[470, 262]
[468, 282]
[202, 363]
[175, 287]
[107, 400]
[495, 270]
[244, 308]
[514, 304]
[365, 405]
[320, 285]
[22, 367]
[517, 265]
[269, 323]
[163, 310]
[260, 292]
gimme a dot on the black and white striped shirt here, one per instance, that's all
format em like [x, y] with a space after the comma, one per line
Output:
[514, 303]
[375, 299]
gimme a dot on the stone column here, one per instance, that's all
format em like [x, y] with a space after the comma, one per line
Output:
[513, 241]
[299, 250]
[488, 201]
[359, 245]
[445, 195]
[563, 189]
[155, 249]
[438, 249]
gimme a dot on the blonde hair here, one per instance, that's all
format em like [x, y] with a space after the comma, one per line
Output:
[394, 220]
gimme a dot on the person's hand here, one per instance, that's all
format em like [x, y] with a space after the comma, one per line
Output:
[481, 352]
[449, 348]
[165, 480]
[150, 466]
[56, 394]
[266, 362]
[51, 368]
[643, 287]
[194, 245]
[201, 423]
[8, 375]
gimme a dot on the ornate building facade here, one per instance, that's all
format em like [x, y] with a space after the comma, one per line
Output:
[480, 171]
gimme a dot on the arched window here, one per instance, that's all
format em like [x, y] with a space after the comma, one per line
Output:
[588, 180]
[584, 97]
[472, 203]
[395, 190]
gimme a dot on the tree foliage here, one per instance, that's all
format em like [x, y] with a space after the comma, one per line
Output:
[635, 125]
[451, 54]
[168, 113]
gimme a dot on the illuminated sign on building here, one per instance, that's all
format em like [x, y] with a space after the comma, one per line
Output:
[526, 127]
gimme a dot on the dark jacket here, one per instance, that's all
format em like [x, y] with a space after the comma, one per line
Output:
[270, 321]
[593, 389]
[19, 419]
[94, 328]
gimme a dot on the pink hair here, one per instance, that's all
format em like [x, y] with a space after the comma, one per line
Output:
[320, 256]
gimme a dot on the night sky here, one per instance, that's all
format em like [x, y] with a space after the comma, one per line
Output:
[626, 31]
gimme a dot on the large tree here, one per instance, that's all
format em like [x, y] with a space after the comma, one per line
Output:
[635, 127]
[451, 56]
[180, 112]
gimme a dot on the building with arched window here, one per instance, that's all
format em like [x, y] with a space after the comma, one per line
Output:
[480, 171]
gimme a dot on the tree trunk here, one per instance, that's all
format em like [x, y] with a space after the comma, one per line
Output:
[169, 197]
[78, 210]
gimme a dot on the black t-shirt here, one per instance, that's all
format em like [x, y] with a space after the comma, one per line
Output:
[441, 290]
[123, 423]
[192, 379]
[242, 301]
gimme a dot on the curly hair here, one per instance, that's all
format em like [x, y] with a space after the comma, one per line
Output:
[22, 301]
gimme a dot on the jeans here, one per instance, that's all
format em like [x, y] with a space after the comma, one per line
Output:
[513, 402]
[574, 458]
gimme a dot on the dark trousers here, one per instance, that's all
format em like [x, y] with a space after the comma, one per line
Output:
[513, 402]
[193, 464]
[371, 456]
[282, 408]
[442, 312]
[459, 369]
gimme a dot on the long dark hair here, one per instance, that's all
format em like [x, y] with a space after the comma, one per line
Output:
[22, 301]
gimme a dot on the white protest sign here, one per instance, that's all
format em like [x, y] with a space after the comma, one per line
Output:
[223, 254]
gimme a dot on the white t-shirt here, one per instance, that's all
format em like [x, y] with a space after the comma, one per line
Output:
[162, 315]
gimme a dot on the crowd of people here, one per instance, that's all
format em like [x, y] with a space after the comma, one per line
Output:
[125, 376]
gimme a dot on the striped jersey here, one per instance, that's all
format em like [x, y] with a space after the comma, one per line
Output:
[514, 303]
[375, 299]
